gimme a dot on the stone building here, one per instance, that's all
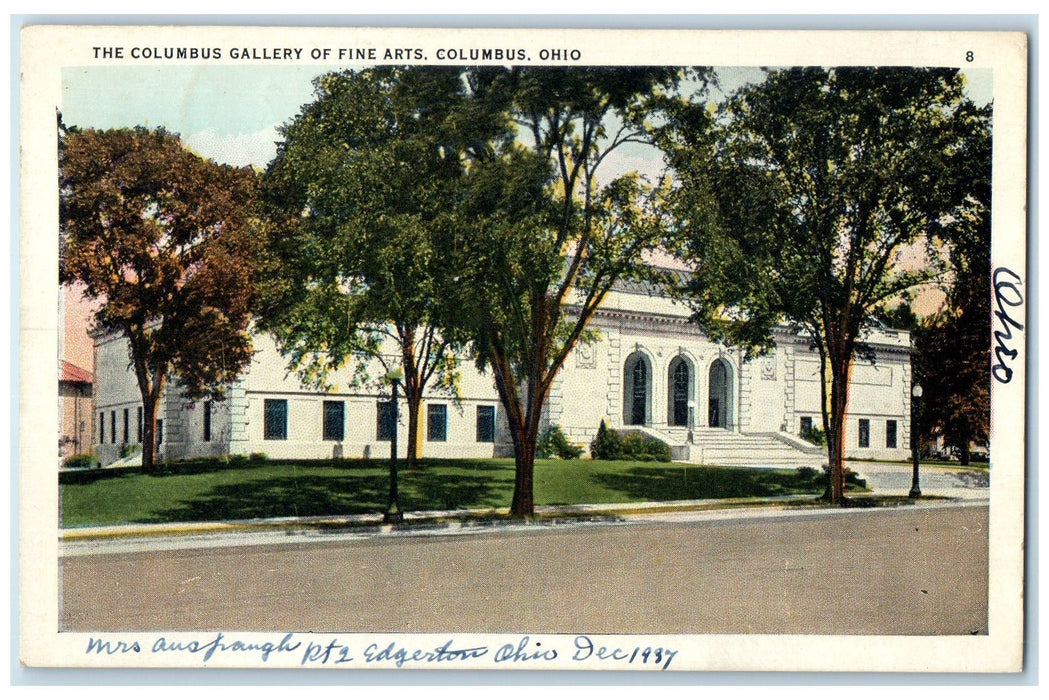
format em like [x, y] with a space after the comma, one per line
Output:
[650, 370]
[74, 410]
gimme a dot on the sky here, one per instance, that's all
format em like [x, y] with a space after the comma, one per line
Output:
[227, 113]
[231, 113]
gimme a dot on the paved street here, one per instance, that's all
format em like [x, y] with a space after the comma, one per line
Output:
[910, 570]
[885, 478]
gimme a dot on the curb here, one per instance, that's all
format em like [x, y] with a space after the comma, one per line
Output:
[465, 518]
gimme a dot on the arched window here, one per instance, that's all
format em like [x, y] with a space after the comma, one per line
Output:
[637, 390]
[719, 406]
[680, 392]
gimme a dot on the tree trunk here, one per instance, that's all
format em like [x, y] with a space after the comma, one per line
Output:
[149, 425]
[522, 417]
[839, 403]
[414, 401]
[523, 503]
[151, 386]
[150, 399]
[964, 454]
[524, 431]
[523, 414]
[413, 391]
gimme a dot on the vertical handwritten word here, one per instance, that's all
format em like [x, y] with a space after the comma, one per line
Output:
[585, 648]
[1006, 294]
[521, 652]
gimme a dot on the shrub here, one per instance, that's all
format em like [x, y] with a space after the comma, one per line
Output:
[822, 478]
[81, 461]
[636, 447]
[815, 435]
[607, 444]
[853, 478]
[808, 474]
[642, 448]
[554, 443]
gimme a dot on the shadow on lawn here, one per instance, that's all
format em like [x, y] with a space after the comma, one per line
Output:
[694, 482]
[82, 477]
[355, 490]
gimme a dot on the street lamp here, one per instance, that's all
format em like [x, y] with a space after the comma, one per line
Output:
[691, 421]
[393, 510]
[916, 410]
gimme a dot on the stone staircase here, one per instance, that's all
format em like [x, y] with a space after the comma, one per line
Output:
[726, 448]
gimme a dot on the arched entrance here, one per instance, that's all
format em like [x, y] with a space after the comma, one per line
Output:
[637, 390]
[680, 394]
[719, 406]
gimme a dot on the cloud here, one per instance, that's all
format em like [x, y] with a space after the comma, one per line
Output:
[257, 148]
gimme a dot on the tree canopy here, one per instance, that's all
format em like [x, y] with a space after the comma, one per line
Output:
[953, 347]
[545, 236]
[801, 199]
[366, 176]
[165, 239]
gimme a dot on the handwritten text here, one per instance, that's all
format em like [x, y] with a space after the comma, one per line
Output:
[1006, 294]
[316, 650]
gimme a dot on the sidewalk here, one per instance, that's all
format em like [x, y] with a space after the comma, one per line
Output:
[884, 480]
[946, 481]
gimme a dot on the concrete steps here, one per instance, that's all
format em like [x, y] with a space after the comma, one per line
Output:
[716, 446]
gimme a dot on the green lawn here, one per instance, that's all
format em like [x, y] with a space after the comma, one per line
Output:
[211, 491]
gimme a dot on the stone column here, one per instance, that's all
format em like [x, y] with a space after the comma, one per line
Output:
[239, 425]
[615, 380]
[789, 397]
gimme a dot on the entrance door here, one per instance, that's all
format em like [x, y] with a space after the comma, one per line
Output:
[636, 382]
[680, 392]
[640, 380]
[717, 413]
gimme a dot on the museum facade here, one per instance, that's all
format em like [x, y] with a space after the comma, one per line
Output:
[649, 370]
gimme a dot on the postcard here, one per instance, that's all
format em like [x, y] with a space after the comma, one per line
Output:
[654, 350]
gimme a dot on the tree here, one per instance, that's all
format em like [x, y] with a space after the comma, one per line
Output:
[951, 360]
[543, 238]
[164, 239]
[801, 198]
[363, 176]
[953, 347]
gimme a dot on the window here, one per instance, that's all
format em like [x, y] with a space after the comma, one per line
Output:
[140, 424]
[865, 432]
[125, 425]
[890, 433]
[160, 431]
[719, 408]
[805, 426]
[333, 420]
[275, 421]
[113, 427]
[680, 383]
[101, 428]
[384, 429]
[486, 424]
[207, 421]
[639, 388]
[437, 422]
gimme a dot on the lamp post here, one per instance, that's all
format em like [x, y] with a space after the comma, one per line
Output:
[916, 410]
[393, 512]
[691, 421]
